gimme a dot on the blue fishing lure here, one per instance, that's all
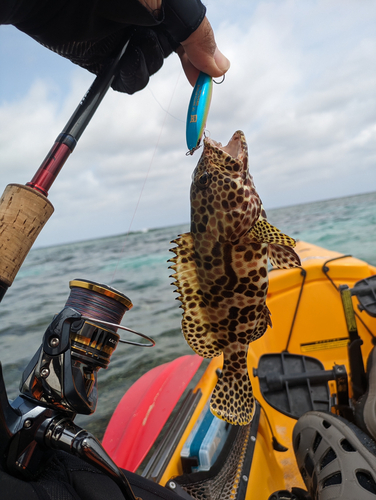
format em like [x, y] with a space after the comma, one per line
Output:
[198, 111]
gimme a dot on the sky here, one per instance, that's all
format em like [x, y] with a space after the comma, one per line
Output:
[302, 87]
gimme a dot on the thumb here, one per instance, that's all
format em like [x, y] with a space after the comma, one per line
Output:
[199, 52]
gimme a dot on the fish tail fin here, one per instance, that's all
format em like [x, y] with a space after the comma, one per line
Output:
[232, 399]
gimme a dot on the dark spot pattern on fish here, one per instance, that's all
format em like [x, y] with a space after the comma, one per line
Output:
[221, 271]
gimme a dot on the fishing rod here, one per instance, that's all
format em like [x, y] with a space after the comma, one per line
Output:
[25, 209]
[60, 380]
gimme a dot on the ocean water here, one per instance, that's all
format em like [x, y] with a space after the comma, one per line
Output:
[136, 264]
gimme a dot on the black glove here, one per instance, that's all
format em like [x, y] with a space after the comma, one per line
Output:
[91, 32]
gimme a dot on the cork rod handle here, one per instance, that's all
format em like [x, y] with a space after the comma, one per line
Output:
[23, 213]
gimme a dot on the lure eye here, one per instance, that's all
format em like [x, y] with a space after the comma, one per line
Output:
[204, 180]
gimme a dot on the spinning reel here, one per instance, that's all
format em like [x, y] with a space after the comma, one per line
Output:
[60, 381]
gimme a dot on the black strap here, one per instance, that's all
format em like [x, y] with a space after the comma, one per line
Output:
[182, 17]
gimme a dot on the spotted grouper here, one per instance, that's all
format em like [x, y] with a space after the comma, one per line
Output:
[221, 271]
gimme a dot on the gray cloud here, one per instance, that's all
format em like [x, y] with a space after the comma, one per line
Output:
[301, 86]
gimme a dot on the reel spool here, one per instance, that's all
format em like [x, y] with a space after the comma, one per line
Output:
[80, 340]
[93, 343]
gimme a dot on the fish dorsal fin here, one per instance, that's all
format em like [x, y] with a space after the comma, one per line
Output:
[195, 323]
[283, 257]
[264, 232]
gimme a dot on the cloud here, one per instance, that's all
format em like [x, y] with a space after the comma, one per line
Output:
[310, 96]
[301, 86]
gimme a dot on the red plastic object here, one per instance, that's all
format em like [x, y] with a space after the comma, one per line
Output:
[144, 409]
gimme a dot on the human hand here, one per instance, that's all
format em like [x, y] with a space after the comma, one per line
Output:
[199, 52]
[91, 37]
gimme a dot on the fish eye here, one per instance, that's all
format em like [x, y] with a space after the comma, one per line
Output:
[204, 180]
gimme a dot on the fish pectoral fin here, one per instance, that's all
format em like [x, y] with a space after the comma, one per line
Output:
[283, 257]
[267, 317]
[280, 249]
[264, 232]
[232, 399]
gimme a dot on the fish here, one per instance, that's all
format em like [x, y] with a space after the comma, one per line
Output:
[221, 271]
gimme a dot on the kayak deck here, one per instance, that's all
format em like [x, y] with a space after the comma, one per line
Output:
[308, 319]
[308, 322]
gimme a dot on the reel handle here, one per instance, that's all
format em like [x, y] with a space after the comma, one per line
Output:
[63, 434]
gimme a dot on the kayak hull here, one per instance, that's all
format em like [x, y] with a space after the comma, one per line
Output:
[309, 322]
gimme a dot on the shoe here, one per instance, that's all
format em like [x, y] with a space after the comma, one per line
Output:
[281, 495]
[336, 459]
[365, 408]
[295, 494]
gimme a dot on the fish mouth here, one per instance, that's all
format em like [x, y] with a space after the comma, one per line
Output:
[236, 147]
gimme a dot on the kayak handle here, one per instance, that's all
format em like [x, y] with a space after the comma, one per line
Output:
[277, 381]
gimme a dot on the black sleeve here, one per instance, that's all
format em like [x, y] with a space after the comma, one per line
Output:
[90, 32]
[62, 21]
[66, 477]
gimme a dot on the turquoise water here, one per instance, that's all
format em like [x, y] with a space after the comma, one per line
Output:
[136, 264]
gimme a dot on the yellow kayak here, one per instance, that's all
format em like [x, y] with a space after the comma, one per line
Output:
[300, 364]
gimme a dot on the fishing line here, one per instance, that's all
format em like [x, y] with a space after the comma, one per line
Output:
[101, 305]
[147, 174]
[162, 108]
[98, 301]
